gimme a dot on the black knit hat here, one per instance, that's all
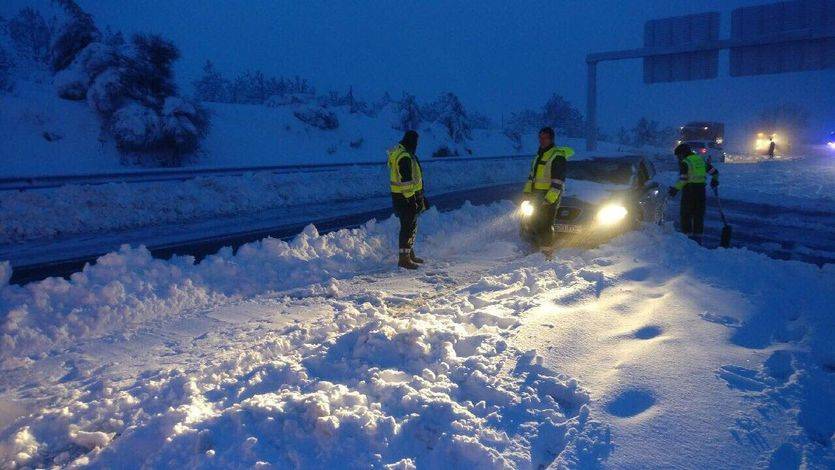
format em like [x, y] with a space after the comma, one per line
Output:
[683, 150]
[547, 130]
[410, 140]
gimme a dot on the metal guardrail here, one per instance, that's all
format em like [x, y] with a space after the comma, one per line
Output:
[22, 183]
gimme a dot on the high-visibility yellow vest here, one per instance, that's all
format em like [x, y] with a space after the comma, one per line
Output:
[406, 188]
[696, 171]
[539, 179]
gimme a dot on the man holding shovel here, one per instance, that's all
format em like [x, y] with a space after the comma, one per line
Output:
[693, 171]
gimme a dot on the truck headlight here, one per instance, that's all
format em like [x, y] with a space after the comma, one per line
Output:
[526, 209]
[611, 214]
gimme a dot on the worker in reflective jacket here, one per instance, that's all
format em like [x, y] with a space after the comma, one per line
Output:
[406, 180]
[693, 171]
[545, 185]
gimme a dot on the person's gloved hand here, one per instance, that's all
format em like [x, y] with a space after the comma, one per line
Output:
[714, 183]
[672, 191]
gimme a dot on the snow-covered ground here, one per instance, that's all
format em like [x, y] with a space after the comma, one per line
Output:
[647, 352]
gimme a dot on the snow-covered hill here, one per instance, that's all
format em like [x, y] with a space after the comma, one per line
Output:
[43, 134]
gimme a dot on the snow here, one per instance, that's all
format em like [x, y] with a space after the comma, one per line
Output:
[78, 209]
[800, 183]
[240, 135]
[647, 351]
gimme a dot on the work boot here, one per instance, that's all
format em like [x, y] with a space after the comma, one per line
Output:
[414, 258]
[405, 260]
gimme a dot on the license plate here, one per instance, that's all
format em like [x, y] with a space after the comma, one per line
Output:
[565, 228]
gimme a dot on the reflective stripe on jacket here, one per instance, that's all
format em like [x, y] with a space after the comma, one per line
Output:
[541, 181]
[693, 169]
[398, 186]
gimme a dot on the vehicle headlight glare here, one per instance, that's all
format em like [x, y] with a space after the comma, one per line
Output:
[526, 209]
[611, 214]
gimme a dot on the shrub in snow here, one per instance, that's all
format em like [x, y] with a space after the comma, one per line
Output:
[136, 128]
[107, 92]
[73, 36]
[30, 34]
[72, 82]
[318, 118]
[183, 124]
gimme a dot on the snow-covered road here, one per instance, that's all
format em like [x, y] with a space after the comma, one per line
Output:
[649, 351]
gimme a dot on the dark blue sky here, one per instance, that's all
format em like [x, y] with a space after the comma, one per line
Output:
[498, 56]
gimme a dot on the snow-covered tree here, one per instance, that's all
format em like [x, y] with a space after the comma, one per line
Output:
[30, 35]
[522, 124]
[79, 31]
[211, 87]
[450, 113]
[149, 76]
[409, 113]
[562, 116]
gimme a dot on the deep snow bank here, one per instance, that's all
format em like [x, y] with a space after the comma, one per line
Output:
[128, 287]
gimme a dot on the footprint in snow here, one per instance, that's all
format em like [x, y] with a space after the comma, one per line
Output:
[631, 403]
[648, 332]
[638, 274]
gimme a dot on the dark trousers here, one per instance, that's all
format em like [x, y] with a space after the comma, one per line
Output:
[693, 203]
[407, 210]
[544, 224]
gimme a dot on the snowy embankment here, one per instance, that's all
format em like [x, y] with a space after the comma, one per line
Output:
[86, 209]
[649, 351]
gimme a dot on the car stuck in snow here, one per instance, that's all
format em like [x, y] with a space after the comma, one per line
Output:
[584, 221]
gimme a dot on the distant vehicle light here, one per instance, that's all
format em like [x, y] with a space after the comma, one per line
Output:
[526, 209]
[720, 141]
[611, 214]
[703, 151]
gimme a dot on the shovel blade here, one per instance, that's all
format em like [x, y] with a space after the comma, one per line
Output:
[725, 242]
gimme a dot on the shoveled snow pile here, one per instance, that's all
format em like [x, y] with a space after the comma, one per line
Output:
[129, 287]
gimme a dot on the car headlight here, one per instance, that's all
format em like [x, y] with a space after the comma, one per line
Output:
[611, 214]
[831, 145]
[526, 209]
